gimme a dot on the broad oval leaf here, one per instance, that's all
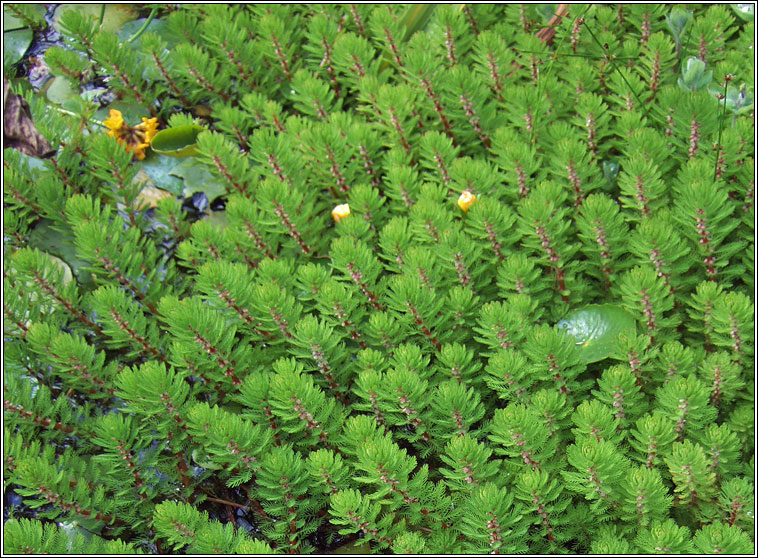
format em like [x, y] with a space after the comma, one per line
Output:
[180, 141]
[595, 329]
[198, 179]
[158, 168]
[15, 44]
[59, 90]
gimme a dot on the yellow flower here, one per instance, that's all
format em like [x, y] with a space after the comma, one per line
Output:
[340, 212]
[466, 200]
[137, 138]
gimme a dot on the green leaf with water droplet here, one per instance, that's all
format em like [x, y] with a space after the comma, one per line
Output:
[595, 328]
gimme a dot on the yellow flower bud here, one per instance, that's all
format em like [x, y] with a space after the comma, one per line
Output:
[466, 200]
[340, 212]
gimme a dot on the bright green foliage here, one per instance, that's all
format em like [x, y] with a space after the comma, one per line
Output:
[702, 302]
[651, 438]
[125, 453]
[71, 357]
[604, 235]
[301, 408]
[684, 401]
[545, 501]
[125, 323]
[619, 391]
[722, 538]
[723, 376]
[182, 525]
[665, 537]
[609, 541]
[554, 361]
[737, 500]
[359, 514]
[647, 297]
[491, 522]
[34, 537]
[520, 436]
[645, 497]
[734, 325]
[328, 470]
[283, 480]
[238, 367]
[693, 480]
[470, 463]
[601, 471]
[595, 420]
[703, 209]
[229, 441]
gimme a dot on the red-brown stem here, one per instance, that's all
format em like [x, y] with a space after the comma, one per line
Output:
[50, 289]
[183, 469]
[226, 365]
[358, 20]
[205, 84]
[694, 137]
[437, 106]
[110, 267]
[554, 258]
[450, 46]
[395, 121]
[701, 225]
[174, 88]
[256, 237]
[124, 326]
[47, 423]
[282, 214]
[471, 20]
[224, 170]
[420, 323]
[357, 278]
[473, 119]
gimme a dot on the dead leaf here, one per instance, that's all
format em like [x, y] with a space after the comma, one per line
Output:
[149, 196]
[548, 33]
[19, 131]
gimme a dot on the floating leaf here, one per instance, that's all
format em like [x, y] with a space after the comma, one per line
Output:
[131, 112]
[26, 15]
[159, 168]
[198, 179]
[115, 14]
[53, 242]
[11, 22]
[157, 26]
[177, 142]
[595, 329]
[15, 44]
[59, 90]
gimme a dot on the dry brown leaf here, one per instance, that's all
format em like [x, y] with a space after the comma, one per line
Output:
[548, 33]
[149, 196]
[19, 131]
